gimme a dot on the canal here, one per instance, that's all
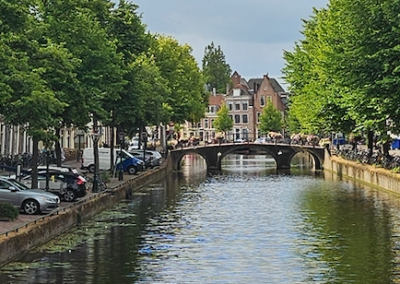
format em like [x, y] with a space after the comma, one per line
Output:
[246, 224]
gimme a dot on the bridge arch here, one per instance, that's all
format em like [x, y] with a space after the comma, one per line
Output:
[179, 158]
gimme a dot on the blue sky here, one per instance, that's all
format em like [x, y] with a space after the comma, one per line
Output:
[252, 33]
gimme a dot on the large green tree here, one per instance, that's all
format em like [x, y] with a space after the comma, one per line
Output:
[345, 71]
[178, 67]
[215, 69]
[29, 99]
[270, 119]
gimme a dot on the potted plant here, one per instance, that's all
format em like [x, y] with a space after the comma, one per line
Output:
[8, 212]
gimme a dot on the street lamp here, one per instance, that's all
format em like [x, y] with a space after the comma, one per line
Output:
[47, 169]
[95, 138]
[120, 167]
[144, 139]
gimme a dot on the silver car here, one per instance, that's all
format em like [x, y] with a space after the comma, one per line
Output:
[30, 201]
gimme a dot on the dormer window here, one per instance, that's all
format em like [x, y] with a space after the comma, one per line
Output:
[236, 92]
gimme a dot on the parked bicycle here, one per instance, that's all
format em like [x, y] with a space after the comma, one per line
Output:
[101, 185]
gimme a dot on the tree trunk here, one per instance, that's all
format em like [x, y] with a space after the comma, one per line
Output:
[370, 140]
[386, 148]
[57, 148]
[35, 154]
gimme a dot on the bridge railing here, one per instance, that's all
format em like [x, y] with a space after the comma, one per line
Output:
[235, 138]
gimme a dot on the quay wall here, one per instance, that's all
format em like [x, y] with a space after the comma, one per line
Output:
[366, 174]
[17, 242]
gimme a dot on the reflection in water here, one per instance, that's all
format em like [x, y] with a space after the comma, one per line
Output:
[245, 224]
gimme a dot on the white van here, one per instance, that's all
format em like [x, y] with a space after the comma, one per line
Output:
[130, 164]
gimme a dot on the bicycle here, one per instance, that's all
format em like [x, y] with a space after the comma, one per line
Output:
[101, 185]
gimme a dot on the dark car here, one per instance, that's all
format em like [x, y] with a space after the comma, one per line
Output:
[75, 184]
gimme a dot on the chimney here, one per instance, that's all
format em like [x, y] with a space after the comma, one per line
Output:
[214, 92]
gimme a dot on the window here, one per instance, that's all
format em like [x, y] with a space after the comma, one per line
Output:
[212, 109]
[205, 123]
[258, 117]
[244, 106]
[231, 117]
[230, 106]
[237, 118]
[269, 98]
[237, 106]
[244, 118]
[262, 101]
[212, 123]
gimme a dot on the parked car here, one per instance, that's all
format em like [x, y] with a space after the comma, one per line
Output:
[30, 201]
[67, 185]
[67, 169]
[129, 164]
[134, 144]
[153, 158]
[139, 155]
[262, 140]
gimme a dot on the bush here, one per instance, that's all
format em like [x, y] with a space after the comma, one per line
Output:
[105, 176]
[8, 211]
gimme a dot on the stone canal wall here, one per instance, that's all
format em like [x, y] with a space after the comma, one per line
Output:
[16, 243]
[367, 174]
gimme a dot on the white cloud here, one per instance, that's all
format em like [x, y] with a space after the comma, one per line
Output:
[252, 33]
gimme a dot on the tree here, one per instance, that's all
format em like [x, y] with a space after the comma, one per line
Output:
[178, 67]
[223, 122]
[27, 55]
[270, 119]
[215, 69]
[344, 74]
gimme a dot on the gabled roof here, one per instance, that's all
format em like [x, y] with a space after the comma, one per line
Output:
[256, 81]
[216, 100]
[243, 91]
[273, 82]
[276, 86]
[243, 83]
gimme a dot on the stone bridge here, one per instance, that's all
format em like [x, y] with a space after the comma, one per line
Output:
[282, 153]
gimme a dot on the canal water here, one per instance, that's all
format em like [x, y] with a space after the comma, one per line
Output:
[246, 224]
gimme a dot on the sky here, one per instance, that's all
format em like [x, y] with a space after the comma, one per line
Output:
[252, 34]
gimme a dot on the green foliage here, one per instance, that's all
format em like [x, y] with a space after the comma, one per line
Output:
[7, 210]
[183, 79]
[223, 122]
[270, 119]
[215, 69]
[105, 176]
[344, 74]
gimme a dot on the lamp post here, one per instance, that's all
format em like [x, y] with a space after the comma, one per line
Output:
[144, 139]
[95, 138]
[120, 167]
[47, 169]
